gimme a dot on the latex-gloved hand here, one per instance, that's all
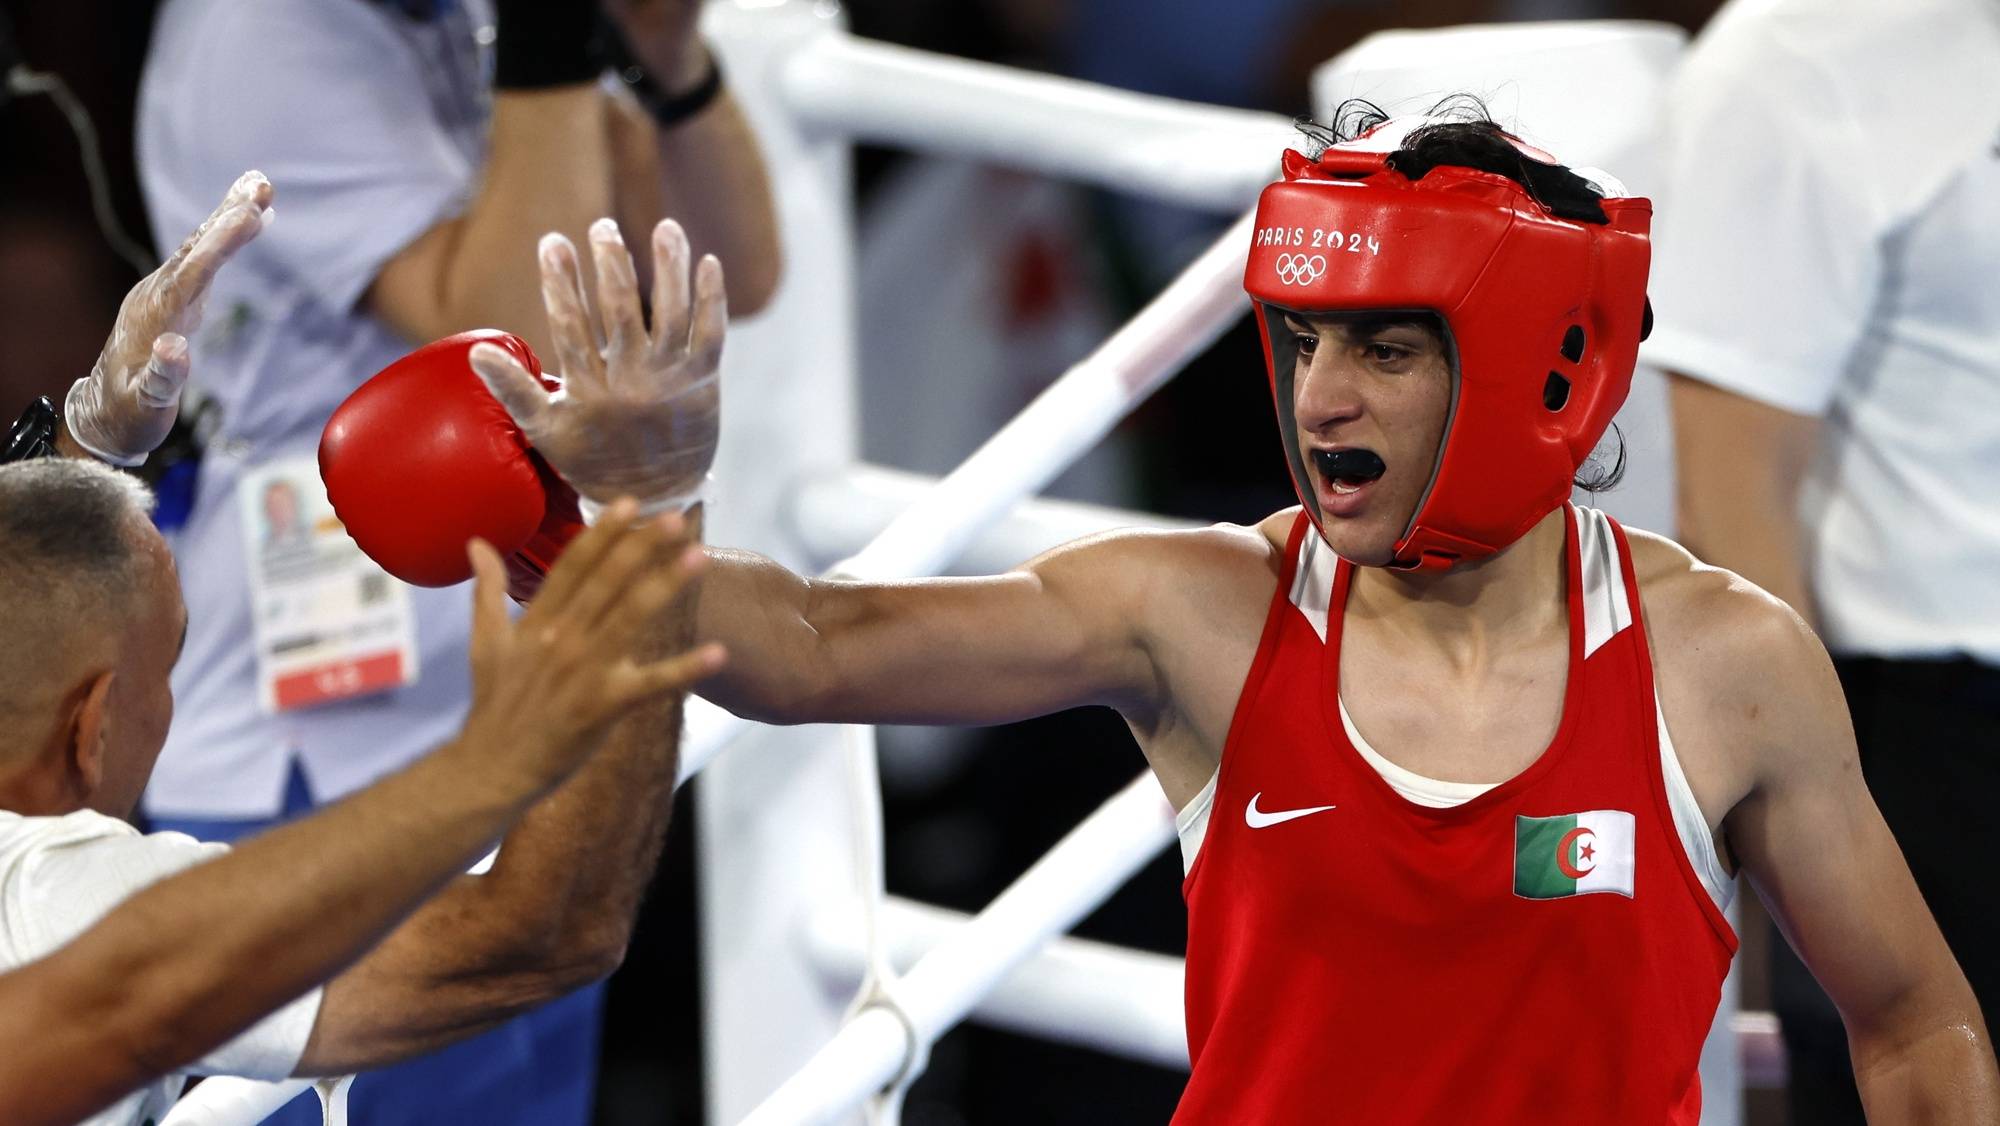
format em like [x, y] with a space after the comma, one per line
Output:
[639, 413]
[123, 409]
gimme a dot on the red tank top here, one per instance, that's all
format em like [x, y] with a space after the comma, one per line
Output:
[1542, 953]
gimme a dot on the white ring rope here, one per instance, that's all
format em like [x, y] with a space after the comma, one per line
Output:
[234, 1102]
[333, 1099]
[1056, 892]
[881, 986]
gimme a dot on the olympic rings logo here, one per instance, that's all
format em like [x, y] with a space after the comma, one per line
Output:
[1300, 269]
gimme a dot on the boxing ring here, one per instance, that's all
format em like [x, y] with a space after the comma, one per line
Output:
[822, 993]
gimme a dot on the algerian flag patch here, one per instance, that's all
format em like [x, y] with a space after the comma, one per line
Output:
[1576, 854]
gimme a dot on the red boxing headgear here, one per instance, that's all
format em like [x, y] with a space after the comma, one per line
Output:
[1545, 314]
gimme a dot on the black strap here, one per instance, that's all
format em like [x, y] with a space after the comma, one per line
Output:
[544, 43]
[668, 110]
[34, 433]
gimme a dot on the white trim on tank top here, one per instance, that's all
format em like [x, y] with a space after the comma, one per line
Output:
[1605, 610]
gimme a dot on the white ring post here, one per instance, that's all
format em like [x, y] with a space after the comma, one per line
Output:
[881, 986]
[333, 1099]
[776, 842]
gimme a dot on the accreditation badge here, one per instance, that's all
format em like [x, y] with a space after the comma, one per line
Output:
[329, 624]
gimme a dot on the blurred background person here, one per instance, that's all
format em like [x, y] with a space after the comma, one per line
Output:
[1828, 235]
[422, 144]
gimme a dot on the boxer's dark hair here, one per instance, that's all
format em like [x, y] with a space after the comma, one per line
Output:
[1463, 134]
[1603, 471]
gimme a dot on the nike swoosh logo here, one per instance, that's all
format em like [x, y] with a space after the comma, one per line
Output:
[1259, 819]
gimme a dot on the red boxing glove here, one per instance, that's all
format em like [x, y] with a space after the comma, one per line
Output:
[421, 458]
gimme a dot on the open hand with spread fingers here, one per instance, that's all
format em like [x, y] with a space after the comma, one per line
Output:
[639, 409]
[546, 687]
[123, 409]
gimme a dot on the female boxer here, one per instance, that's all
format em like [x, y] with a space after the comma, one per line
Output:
[1446, 861]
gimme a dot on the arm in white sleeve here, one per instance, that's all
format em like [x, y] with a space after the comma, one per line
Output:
[65, 889]
[1766, 242]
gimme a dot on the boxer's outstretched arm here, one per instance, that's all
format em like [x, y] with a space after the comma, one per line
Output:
[1816, 848]
[1078, 625]
[1125, 619]
[640, 410]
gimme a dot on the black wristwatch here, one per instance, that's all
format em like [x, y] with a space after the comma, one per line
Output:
[34, 433]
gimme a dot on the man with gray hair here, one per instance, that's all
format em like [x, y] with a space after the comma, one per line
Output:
[90, 591]
[99, 620]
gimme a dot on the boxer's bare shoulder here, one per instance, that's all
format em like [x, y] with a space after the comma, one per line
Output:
[1206, 594]
[1739, 674]
[1164, 575]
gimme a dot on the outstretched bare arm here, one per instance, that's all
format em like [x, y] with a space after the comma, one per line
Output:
[1063, 630]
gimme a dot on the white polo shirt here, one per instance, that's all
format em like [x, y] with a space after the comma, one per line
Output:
[59, 875]
[1826, 241]
[372, 126]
